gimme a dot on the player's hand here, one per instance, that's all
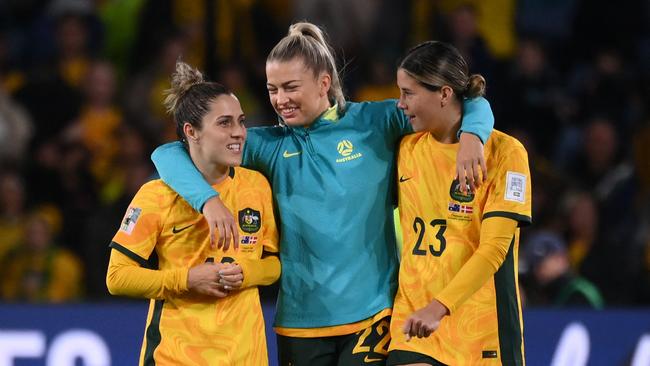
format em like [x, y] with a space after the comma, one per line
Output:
[204, 279]
[232, 276]
[424, 321]
[470, 163]
[223, 227]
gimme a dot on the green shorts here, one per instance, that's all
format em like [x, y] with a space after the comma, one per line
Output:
[398, 357]
[367, 347]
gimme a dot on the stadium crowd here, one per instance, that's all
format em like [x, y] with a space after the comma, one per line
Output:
[81, 109]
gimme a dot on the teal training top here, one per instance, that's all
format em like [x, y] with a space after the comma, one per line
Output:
[333, 184]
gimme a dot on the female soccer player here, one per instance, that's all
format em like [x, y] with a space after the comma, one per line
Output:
[457, 289]
[331, 166]
[205, 307]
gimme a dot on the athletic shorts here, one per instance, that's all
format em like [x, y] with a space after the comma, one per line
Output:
[368, 347]
[399, 357]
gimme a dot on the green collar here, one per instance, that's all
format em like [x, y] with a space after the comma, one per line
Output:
[331, 114]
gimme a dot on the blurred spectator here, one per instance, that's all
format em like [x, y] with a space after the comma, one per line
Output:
[464, 35]
[130, 169]
[52, 90]
[411, 23]
[11, 78]
[601, 164]
[603, 169]
[38, 270]
[533, 89]
[103, 223]
[217, 32]
[606, 86]
[97, 125]
[235, 34]
[79, 192]
[582, 226]
[379, 83]
[51, 103]
[73, 56]
[120, 21]
[351, 28]
[144, 96]
[42, 174]
[495, 22]
[133, 149]
[550, 18]
[234, 78]
[549, 186]
[12, 211]
[16, 130]
[549, 279]
[628, 18]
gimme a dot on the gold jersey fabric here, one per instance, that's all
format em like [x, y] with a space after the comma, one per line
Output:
[184, 328]
[335, 330]
[442, 230]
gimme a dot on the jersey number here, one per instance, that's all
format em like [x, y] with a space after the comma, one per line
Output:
[383, 330]
[419, 227]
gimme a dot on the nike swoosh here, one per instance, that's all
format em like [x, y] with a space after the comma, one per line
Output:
[176, 231]
[288, 154]
[367, 359]
[402, 179]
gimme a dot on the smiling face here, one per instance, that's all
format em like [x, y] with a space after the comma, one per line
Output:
[421, 105]
[221, 136]
[297, 95]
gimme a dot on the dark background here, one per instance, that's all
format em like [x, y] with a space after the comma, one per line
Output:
[81, 110]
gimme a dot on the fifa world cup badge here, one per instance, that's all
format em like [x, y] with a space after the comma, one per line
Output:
[130, 219]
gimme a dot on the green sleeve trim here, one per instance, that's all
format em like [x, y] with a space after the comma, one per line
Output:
[508, 311]
[153, 336]
[522, 220]
[141, 261]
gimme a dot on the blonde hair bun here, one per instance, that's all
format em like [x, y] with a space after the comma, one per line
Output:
[183, 79]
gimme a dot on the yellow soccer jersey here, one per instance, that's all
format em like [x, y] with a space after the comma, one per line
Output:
[441, 230]
[184, 328]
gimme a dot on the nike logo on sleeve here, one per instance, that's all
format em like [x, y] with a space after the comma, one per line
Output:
[176, 231]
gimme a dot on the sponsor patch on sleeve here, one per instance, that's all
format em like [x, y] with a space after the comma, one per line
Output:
[130, 219]
[515, 187]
